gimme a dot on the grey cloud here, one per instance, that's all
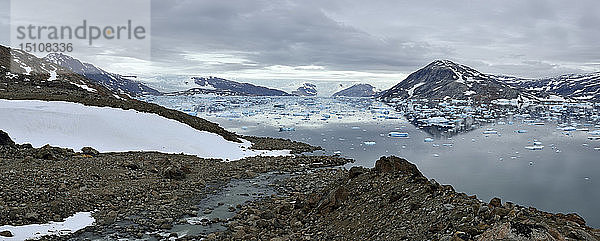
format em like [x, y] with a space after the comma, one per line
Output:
[527, 38]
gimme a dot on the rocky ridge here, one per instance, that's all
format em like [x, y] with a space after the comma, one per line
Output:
[392, 201]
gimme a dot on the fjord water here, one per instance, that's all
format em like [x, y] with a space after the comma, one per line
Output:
[561, 177]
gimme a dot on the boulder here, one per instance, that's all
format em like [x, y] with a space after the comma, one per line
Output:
[89, 151]
[496, 202]
[516, 231]
[5, 139]
[356, 171]
[174, 173]
[333, 200]
[395, 164]
[7, 234]
[573, 217]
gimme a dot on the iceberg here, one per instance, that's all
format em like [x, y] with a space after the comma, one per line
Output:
[490, 132]
[282, 129]
[568, 128]
[369, 143]
[428, 139]
[398, 134]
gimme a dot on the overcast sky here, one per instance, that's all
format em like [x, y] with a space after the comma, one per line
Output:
[361, 40]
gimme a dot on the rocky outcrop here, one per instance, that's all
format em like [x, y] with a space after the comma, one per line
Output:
[395, 164]
[392, 201]
[5, 139]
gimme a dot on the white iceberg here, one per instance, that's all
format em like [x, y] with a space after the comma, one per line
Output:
[398, 134]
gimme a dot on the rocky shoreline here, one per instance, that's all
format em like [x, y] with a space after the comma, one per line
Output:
[393, 201]
[135, 194]
[149, 190]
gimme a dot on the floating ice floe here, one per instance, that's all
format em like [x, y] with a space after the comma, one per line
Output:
[490, 132]
[282, 129]
[428, 139]
[398, 134]
[568, 128]
[521, 131]
[536, 146]
[369, 143]
[35, 231]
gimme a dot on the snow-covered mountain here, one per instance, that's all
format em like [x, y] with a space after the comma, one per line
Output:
[574, 86]
[114, 82]
[220, 86]
[445, 79]
[307, 89]
[20, 71]
[357, 90]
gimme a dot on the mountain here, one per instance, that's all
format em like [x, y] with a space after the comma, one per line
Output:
[26, 77]
[445, 79]
[114, 82]
[307, 89]
[219, 86]
[574, 86]
[357, 90]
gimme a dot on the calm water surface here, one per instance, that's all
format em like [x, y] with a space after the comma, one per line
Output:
[561, 177]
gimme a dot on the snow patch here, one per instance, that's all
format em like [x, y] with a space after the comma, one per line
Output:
[85, 87]
[411, 91]
[73, 125]
[35, 231]
[52, 75]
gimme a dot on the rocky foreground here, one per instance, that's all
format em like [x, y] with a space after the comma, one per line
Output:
[150, 192]
[393, 201]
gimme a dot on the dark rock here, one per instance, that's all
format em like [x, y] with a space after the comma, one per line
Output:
[267, 215]
[333, 200]
[496, 202]
[396, 164]
[356, 171]
[173, 172]
[7, 234]
[5, 139]
[89, 151]
[395, 197]
[32, 216]
[573, 217]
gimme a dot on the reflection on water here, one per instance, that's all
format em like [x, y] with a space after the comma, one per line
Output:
[542, 156]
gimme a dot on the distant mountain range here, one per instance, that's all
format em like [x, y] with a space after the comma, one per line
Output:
[444, 79]
[114, 82]
[307, 89]
[358, 90]
[441, 79]
[574, 86]
[220, 86]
